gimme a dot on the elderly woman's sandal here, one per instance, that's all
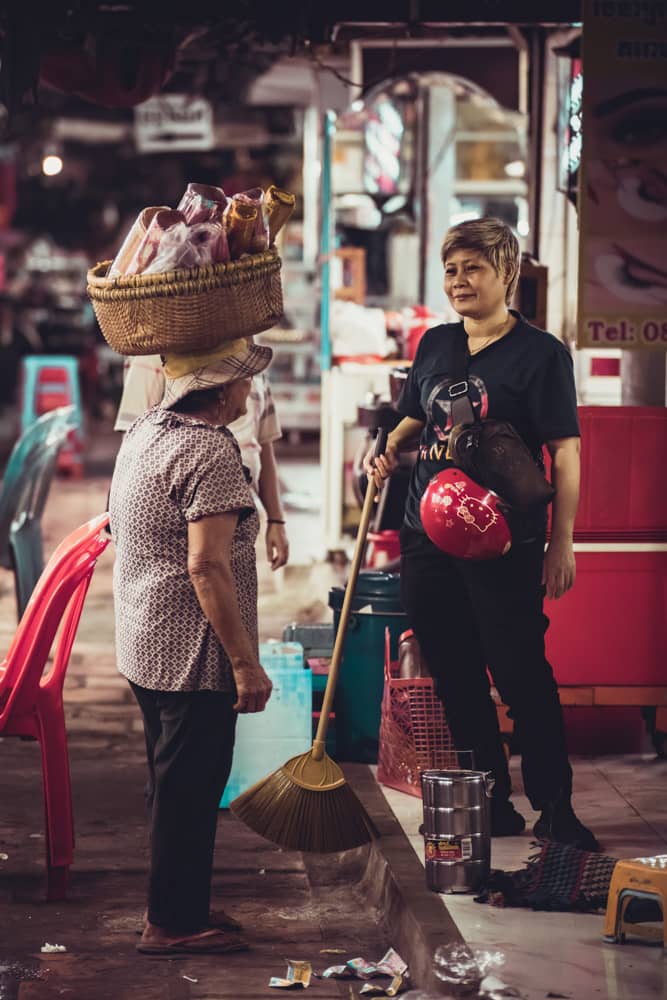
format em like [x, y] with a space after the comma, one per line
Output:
[217, 918]
[209, 942]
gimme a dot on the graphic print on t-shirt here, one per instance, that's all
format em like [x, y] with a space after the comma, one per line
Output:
[525, 378]
[439, 413]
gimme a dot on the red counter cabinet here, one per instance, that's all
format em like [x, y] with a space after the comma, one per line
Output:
[608, 636]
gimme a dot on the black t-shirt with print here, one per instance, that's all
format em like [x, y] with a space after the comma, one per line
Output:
[526, 378]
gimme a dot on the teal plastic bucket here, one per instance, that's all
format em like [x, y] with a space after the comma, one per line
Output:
[376, 605]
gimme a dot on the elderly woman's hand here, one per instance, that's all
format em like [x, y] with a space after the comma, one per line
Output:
[253, 686]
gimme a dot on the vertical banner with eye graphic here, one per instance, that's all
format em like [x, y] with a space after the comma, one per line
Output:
[623, 186]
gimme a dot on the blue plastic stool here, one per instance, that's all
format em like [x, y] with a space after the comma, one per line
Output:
[50, 381]
[265, 740]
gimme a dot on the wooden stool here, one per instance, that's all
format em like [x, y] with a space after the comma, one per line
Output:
[639, 878]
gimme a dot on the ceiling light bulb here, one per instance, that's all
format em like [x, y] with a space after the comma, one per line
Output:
[515, 168]
[52, 165]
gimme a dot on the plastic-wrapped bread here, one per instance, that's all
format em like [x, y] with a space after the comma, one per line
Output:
[255, 198]
[147, 250]
[182, 246]
[241, 219]
[278, 206]
[203, 203]
[131, 242]
[220, 248]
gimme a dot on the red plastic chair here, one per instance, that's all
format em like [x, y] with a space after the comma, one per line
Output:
[31, 705]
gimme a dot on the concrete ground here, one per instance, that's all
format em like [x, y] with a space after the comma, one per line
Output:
[293, 906]
[289, 910]
[622, 798]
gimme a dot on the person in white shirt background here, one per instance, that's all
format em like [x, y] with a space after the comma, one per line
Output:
[143, 387]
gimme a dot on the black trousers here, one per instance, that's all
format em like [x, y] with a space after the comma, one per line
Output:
[189, 746]
[469, 616]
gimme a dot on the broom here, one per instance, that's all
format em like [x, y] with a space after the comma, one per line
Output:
[307, 804]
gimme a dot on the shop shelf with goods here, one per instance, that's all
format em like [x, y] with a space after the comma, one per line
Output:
[53, 293]
[417, 154]
[295, 371]
[294, 377]
[413, 156]
[346, 387]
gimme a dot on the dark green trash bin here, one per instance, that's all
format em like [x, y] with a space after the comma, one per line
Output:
[376, 605]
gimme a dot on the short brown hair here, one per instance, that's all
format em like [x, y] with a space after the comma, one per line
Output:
[494, 240]
[198, 400]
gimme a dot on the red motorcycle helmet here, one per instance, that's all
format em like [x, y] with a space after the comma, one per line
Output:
[463, 518]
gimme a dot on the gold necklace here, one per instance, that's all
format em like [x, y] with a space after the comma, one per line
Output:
[489, 340]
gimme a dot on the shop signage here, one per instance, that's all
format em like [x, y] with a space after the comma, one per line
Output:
[623, 187]
[173, 122]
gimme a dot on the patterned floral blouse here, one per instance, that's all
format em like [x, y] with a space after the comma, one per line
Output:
[172, 469]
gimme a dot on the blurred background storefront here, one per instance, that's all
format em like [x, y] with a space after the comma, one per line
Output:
[388, 130]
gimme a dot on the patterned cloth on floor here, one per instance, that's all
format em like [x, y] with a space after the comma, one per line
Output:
[557, 877]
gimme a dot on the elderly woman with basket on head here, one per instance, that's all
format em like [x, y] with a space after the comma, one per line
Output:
[184, 522]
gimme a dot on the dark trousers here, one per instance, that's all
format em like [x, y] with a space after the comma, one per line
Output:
[189, 745]
[469, 616]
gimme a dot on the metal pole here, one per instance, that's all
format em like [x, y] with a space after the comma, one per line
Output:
[329, 127]
[643, 378]
[537, 83]
[421, 184]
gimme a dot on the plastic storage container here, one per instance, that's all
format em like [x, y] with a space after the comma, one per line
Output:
[265, 740]
[376, 605]
[316, 639]
[414, 736]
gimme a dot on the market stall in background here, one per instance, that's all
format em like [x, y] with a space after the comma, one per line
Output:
[415, 155]
[386, 142]
[388, 128]
[73, 184]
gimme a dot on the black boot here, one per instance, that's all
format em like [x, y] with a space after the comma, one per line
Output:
[558, 822]
[505, 820]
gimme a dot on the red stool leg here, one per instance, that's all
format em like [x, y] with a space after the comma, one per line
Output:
[57, 799]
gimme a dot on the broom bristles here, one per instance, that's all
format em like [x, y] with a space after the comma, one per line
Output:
[302, 819]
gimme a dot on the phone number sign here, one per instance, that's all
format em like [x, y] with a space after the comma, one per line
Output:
[622, 184]
[614, 332]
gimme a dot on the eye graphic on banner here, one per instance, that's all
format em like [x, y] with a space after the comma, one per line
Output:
[623, 193]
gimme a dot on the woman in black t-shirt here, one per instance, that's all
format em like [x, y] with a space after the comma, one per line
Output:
[471, 615]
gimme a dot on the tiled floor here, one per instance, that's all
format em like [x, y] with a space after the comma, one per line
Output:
[563, 954]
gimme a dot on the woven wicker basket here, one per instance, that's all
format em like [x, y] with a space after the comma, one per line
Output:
[189, 310]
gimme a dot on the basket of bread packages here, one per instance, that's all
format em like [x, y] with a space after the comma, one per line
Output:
[189, 278]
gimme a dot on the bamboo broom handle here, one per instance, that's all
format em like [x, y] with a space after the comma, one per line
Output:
[337, 658]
